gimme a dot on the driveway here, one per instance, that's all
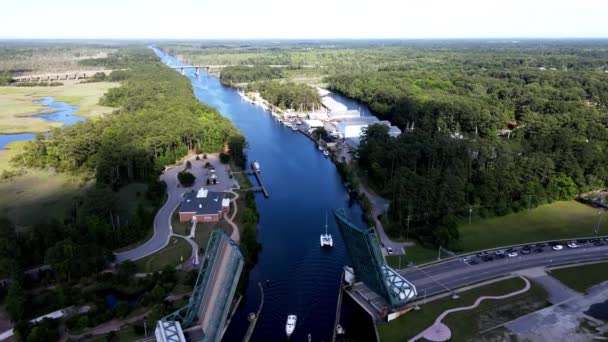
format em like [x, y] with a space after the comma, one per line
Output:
[162, 221]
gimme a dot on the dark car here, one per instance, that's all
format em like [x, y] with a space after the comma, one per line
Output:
[525, 251]
[598, 243]
[473, 262]
[581, 240]
[541, 244]
[538, 250]
[501, 256]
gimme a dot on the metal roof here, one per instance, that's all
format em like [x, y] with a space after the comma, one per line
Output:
[211, 203]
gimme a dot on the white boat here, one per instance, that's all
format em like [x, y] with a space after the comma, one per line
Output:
[340, 330]
[326, 153]
[320, 148]
[290, 326]
[326, 239]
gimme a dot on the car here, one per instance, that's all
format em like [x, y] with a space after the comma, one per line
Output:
[481, 254]
[382, 244]
[594, 240]
[525, 251]
[606, 238]
[511, 250]
[389, 250]
[501, 256]
[581, 240]
[557, 247]
[512, 254]
[538, 250]
[500, 252]
[572, 244]
[541, 244]
[466, 258]
[553, 243]
[474, 262]
[598, 243]
[487, 257]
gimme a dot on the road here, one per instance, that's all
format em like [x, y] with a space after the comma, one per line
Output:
[456, 273]
[162, 220]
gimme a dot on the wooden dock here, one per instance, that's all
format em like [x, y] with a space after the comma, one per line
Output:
[254, 321]
[257, 175]
[338, 309]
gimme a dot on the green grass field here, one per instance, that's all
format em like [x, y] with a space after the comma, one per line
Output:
[415, 254]
[580, 278]
[172, 255]
[559, 220]
[18, 106]
[466, 324]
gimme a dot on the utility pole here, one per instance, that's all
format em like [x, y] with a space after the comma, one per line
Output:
[407, 232]
[470, 213]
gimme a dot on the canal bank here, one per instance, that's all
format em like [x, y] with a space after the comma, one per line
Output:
[304, 278]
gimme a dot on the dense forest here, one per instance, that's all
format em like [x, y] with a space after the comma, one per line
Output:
[491, 132]
[287, 95]
[244, 74]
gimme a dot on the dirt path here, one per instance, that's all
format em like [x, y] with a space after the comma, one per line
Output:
[440, 332]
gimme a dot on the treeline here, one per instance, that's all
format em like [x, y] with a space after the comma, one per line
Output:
[244, 74]
[287, 95]
[480, 139]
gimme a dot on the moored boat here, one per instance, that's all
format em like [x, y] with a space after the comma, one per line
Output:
[290, 326]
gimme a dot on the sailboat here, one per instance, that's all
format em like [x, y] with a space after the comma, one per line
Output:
[326, 239]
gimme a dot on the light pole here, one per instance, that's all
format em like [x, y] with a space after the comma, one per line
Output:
[470, 213]
[599, 221]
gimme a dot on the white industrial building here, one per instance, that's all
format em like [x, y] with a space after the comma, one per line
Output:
[352, 128]
[311, 124]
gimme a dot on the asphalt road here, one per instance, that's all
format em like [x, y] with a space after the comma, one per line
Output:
[456, 273]
[162, 220]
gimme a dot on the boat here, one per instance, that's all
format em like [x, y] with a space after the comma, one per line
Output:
[256, 166]
[326, 153]
[340, 330]
[309, 337]
[290, 326]
[326, 239]
[320, 148]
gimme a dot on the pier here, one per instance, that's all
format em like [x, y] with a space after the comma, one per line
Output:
[254, 317]
[256, 173]
[338, 309]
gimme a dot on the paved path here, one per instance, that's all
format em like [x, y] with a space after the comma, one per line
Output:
[235, 235]
[162, 221]
[379, 206]
[558, 292]
[438, 332]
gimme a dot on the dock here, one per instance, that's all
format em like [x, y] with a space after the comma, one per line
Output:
[338, 309]
[256, 173]
[254, 320]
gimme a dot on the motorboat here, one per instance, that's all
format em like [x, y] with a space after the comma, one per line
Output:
[326, 239]
[340, 330]
[290, 326]
[320, 148]
[326, 153]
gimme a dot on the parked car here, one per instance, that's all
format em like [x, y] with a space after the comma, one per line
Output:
[538, 250]
[474, 262]
[501, 256]
[525, 251]
[598, 243]
[499, 252]
[541, 244]
[557, 247]
[389, 250]
[512, 254]
[572, 244]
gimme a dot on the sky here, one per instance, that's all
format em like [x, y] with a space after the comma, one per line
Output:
[297, 19]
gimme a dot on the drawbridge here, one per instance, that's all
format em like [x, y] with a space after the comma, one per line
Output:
[377, 284]
[206, 312]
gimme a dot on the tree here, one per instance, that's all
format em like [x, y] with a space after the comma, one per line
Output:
[186, 178]
[224, 158]
[15, 301]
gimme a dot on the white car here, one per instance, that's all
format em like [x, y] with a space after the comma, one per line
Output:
[512, 254]
[389, 250]
[557, 247]
[572, 244]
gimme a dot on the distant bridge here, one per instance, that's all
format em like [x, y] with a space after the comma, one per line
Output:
[221, 66]
[60, 76]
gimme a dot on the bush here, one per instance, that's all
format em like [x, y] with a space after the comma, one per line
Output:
[186, 178]
[224, 158]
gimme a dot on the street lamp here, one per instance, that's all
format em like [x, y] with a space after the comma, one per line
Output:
[599, 221]
[470, 213]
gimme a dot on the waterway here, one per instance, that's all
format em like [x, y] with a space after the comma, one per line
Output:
[55, 111]
[303, 186]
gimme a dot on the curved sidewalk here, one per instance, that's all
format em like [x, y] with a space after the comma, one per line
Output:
[440, 332]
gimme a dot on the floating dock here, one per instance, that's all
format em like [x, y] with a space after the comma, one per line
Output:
[254, 317]
[256, 172]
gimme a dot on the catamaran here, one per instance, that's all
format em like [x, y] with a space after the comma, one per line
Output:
[291, 324]
[326, 239]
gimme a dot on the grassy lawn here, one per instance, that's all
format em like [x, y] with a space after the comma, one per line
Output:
[203, 231]
[170, 255]
[415, 254]
[466, 324]
[559, 220]
[181, 228]
[37, 195]
[580, 278]
[18, 106]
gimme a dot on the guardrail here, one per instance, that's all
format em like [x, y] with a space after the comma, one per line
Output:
[459, 256]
